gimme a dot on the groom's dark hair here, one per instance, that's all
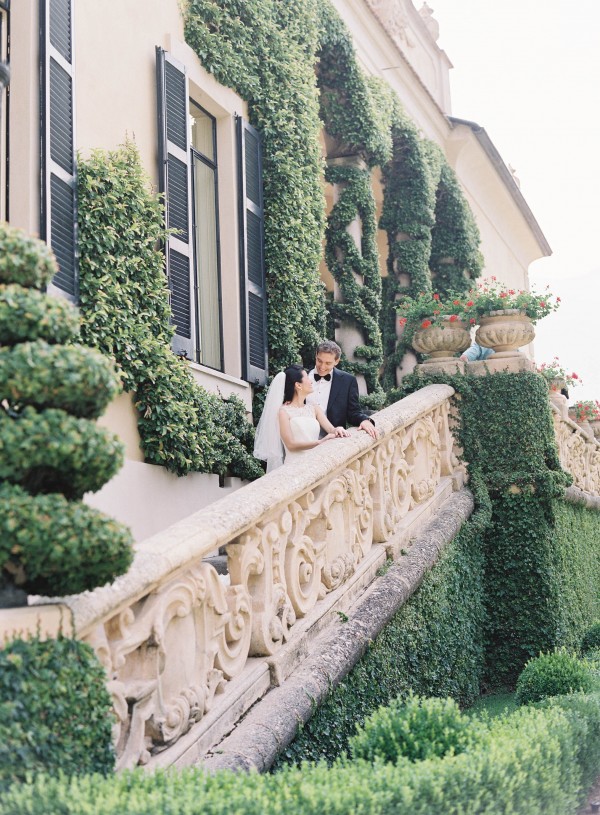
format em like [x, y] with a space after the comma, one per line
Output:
[293, 374]
[329, 347]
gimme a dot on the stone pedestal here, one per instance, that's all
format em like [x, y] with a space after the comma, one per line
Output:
[508, 363]
[444, 365]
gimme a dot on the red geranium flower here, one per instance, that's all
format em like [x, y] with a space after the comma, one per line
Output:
[425, 323]
[436, 297]
[470, 303]
[453, 318]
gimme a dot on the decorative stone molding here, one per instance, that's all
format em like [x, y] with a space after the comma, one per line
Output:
[394, 19]
[173, 634]
[579, 453]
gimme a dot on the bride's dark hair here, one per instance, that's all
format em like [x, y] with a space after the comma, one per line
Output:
[293, 374]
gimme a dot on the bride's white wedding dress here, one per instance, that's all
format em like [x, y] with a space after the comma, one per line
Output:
[304, 427]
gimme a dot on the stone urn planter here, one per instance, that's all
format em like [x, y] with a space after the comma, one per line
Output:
[442, 341]
[505, 331]
[595, 425]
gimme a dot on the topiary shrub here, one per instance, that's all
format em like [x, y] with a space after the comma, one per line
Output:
[55, 711]
[415, 728]
[553, 674]
[591, 638]
[51, 453]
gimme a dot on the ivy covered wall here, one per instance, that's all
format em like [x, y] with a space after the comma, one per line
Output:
[295, 65]
[261, 50]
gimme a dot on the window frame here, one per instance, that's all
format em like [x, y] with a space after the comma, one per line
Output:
[196, 155]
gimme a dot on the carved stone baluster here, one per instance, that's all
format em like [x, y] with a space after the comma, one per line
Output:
[257, 562]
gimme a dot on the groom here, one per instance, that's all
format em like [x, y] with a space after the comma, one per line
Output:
[337, 391]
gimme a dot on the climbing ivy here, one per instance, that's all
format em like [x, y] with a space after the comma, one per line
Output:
[507, 437]
[360, 303]
[455, 257]
[266, 51]
[125, 313]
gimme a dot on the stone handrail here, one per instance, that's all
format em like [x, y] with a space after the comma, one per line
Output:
[578, 452]
[173, 632]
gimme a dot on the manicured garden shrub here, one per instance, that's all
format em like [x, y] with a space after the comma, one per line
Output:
[50, 451]
[54, 546]
[27, 314]
[414, 728]
[591, 638]
[553, 674]
[72, 377]
[529, 764]
[55, 711]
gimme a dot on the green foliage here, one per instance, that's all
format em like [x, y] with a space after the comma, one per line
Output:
[536, 596]
[72, 377]
[433, 645]
[591, 638]
[455, 257]
[55, 711]
[361, 303]
[25, 260]
[415, 728]
[534, 762]
[355, 111]
[553, 674]
[27, 314]
[50, 451]
[266, 51]
[182, 426]
[52, 546]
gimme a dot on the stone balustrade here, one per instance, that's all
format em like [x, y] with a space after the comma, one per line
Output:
[175, 635]
[578, 451]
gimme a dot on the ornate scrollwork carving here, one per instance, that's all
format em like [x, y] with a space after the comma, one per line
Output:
[157, 699]
[579, 455]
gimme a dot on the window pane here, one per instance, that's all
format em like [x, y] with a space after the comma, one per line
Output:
[207, 268]
[202, 132]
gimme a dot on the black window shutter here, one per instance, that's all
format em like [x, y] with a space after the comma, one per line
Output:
[58, 212]
[252, 264]
[174, 177]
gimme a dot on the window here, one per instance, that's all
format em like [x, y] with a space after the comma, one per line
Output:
[206, 231]
[188, 174]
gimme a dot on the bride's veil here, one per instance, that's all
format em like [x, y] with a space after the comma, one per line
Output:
[267, 441]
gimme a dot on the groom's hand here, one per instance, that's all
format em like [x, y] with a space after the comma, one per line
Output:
[369, 428]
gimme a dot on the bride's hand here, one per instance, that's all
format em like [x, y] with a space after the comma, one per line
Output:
[326, 438]
[341, 432]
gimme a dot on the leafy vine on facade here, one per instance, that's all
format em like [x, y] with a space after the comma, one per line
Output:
[125, 313]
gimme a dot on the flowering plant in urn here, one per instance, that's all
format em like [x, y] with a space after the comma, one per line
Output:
[435, 327]
[490, 296]
[586, 410]
[557, 376]
[427, 310]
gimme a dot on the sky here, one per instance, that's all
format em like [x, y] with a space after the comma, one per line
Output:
[528, 71]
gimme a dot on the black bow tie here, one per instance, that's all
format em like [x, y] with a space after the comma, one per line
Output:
[327, 377]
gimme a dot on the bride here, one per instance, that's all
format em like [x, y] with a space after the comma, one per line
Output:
[288, 426]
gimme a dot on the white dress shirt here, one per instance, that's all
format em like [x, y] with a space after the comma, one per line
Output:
[321, 391]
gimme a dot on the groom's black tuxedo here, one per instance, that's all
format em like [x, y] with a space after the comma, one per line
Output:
[343, 407]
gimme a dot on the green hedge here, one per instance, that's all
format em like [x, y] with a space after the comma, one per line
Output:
[432, 646]
[51, 451]
[533, 762]
[27, 314]
[55, 711]
[52, 546]
[72, 377]
[24, 259]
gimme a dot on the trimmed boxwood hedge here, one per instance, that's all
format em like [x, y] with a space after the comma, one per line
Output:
[52, 546]
[532, 762]
[72, 377]
[51, 451]
[27, 314]
[55, 711]
[49, 391]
